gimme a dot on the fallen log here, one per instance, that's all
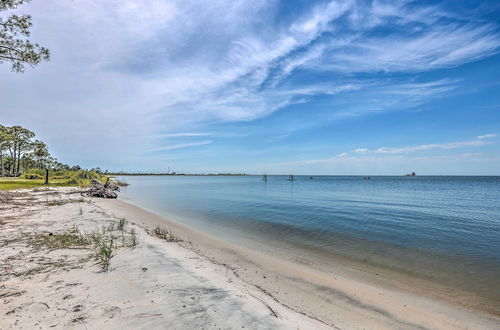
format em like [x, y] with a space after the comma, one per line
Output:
[107, 190]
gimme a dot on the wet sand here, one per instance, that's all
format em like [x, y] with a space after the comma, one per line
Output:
[343, 294]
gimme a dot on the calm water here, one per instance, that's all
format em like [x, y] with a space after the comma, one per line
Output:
[441, 228]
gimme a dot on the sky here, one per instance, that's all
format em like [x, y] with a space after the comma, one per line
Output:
[264, 86]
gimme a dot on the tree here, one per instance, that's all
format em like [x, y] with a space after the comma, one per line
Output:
[5, 139]
[14, 49]
[40, 152]
[18, 145]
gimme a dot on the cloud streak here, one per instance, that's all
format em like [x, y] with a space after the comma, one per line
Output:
[486, 136]
[183, 145]
[478, 142]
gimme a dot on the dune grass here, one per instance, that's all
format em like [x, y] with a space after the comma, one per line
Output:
[166, 234]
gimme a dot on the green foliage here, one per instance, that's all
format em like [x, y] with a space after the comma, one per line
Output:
[75, 179]
[22, 156]
[83, 177]
[104, 251]
[69, 239]
[13, 49]
[33, 174]
[16, 183]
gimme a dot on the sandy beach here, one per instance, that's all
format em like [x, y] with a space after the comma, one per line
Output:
[197, 282]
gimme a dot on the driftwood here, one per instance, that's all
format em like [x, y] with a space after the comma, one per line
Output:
[107, 190]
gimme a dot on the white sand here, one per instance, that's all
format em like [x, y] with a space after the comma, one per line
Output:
[157, 284]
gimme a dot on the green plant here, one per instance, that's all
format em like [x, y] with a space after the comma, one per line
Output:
[121, 224]
[166, 234]
[104, 251]
[56, 202]
[69, 239]
[31, 176]
[133, 238]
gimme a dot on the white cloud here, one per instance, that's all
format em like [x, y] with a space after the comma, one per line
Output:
[408, 149]
[455, 164]
[183, 145]
[453, 145]
[486, 136]
[186, 134]
[342, 154]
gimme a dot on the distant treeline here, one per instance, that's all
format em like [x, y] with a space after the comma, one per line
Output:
[176, 174]
[24, 156]
[20, 152]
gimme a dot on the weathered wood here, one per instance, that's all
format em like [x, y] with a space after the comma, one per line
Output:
[108, 190]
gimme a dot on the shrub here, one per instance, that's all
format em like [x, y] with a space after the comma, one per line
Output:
[83, 177]
[31, 176]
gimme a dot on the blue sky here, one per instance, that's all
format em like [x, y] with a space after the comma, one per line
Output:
[319, 87]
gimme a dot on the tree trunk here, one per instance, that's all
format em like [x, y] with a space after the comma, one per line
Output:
[18, 159]
[13, 153]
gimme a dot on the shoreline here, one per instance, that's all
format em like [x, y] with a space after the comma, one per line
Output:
[351, 290]
[50, 279]
[196, 283]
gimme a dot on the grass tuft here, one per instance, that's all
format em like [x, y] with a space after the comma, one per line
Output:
[166, 234]
[69, 239]
[121, 224]
[104, 251]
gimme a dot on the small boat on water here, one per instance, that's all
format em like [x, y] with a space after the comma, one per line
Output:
[264, 177]
[290, 177]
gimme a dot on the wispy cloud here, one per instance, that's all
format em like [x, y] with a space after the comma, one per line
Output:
[453, 145]
[486, 136]
[186, 134]
[394, 164]
[408, 149]
[423, 147]
[183, 145]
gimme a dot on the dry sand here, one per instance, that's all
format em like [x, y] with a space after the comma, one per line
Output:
[199, 283]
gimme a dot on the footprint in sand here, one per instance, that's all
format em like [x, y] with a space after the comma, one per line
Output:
[111, 311]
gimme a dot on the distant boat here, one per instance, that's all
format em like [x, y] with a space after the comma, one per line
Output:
[411, 174]
[310, 178]
[290, 177]
[264, 177]
[368, 178]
